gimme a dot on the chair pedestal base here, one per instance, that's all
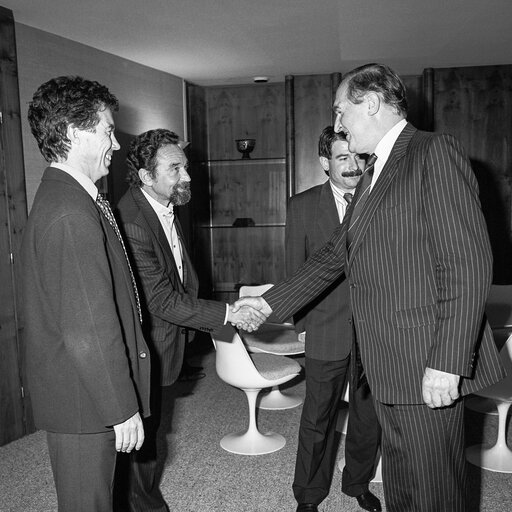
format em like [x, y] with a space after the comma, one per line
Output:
[496, 458]
[252, 443]
[276, 400]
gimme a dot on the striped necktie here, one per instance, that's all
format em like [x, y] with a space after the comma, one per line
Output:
[366, 182]
[105, 208]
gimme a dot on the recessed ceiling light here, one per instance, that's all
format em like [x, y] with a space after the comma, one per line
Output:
[260, 79]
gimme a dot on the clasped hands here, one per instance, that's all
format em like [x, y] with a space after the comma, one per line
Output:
[248, 313]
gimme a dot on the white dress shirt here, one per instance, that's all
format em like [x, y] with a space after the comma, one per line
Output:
[384, 147]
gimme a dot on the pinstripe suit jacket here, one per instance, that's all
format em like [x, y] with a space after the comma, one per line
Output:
[170, 306]
[311, 218]
[419, 272]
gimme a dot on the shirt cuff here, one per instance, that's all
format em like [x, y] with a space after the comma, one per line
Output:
[227, 312]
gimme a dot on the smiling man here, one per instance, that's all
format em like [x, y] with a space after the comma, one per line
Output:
[415, 249]
[159, 182]
[88, 365]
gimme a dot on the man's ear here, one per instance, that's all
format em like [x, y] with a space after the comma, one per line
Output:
[324, 162]
[145, 177]
[72, 133]
[373, 102]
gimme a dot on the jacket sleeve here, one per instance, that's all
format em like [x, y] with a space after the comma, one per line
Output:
[161, 297]
[296, 247]
[462, 253]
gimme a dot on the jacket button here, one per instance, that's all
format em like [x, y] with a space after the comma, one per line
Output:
[353, 285]
[143, 355]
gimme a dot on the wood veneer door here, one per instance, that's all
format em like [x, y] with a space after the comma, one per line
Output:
[15, 413]
[475, 105]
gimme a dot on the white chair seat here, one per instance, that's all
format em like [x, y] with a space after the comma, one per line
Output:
[275, 338]
[236, 367]
[278, 339]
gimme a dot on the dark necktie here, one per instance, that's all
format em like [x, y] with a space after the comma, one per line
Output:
[366, 182]
[105, 208]
[348, 197]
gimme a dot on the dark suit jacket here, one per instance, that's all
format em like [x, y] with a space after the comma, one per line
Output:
[88, 366]
[311, 218]
[419, 272]
[170, 306]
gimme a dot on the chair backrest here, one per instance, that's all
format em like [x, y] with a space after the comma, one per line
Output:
[232, 362]
[256, 291]
[499, 306]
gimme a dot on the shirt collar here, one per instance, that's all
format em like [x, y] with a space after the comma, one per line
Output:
[387, 142]
[82, 179]
[159, 208]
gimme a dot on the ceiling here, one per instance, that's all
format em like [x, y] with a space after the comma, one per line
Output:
[212, 42]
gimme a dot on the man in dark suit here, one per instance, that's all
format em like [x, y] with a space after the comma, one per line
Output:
[311, 218]
[416, 252]
[88, 365]
[159, 181]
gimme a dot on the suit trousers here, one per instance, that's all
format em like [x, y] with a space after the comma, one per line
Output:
[423, 460]
[318, 439]
[139, 473]
[83, 468]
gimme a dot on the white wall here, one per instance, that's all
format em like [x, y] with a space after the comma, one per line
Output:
[148, 98]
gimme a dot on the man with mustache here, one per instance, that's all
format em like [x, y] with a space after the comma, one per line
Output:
[311, 218]
[159, 181]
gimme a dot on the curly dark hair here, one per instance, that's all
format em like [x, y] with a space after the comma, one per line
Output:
[64, 101]
[327, 138]
[377, 78]
[142, 153]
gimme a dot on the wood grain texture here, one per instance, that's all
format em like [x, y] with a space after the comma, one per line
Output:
[15, 415]
[475, 105]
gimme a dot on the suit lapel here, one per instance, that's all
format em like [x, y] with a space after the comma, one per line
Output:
[327, 219]
[155, 226]
[387, 176]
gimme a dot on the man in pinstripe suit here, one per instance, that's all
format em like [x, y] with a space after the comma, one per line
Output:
[158, 177]
[418, 265]
[311, 218]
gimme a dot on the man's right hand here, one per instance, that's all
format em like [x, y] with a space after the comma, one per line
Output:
[129, 434]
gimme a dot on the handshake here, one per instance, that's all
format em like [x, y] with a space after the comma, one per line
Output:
[248, 313]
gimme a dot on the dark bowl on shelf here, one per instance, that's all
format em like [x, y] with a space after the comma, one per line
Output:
[245, 146]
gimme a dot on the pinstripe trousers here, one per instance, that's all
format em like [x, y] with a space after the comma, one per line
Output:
[423, 462]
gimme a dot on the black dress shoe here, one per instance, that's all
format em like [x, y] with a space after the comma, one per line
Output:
[369, 501]
[307, 507]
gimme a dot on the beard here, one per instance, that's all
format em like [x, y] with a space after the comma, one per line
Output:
[180, 194]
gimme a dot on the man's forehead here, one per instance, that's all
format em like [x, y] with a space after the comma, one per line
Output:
[172, 152]
[340, 147]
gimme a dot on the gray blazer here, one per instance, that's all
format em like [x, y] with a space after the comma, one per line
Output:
[310, 221]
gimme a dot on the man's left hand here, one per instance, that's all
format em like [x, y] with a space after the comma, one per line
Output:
[439, 389]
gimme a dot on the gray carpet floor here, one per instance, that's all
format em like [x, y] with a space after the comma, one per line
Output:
[199, 476]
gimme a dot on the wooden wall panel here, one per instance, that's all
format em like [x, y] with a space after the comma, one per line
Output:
[246, 111]
[313, 100]
[15, 412]
[475, 105]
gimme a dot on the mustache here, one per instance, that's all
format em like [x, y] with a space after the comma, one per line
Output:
[352, 174]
